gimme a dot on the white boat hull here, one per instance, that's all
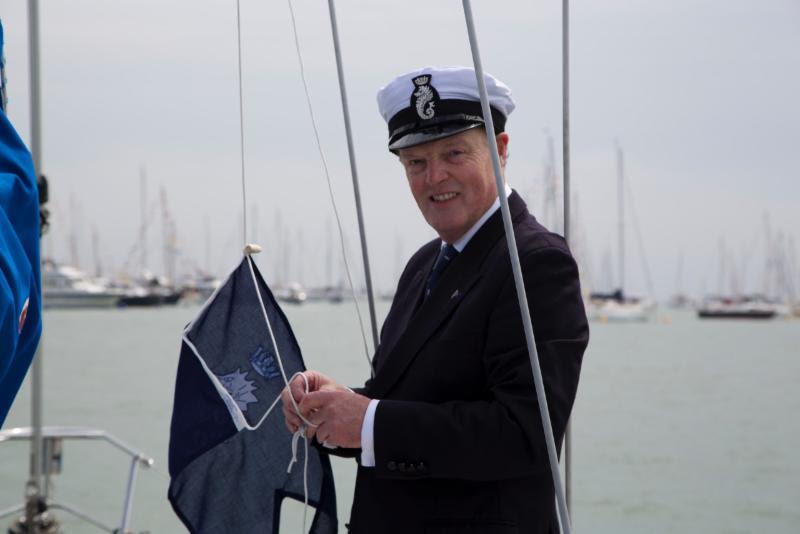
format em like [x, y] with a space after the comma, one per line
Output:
[620, 312]
[79, 300]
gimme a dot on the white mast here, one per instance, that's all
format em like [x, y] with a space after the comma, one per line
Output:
[621, 217]
[354, 172]
[34, 485]
[142, 221]
[567, 230]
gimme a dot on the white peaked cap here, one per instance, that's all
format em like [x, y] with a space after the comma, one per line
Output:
[436, 102]
[451, 83]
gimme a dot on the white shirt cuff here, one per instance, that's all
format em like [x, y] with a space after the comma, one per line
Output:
[367, 435]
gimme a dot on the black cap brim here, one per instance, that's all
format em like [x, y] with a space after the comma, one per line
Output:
[433, 133]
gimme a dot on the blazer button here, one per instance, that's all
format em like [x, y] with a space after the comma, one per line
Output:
[391, 465]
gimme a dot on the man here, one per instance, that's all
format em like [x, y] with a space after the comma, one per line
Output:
[20, 294]
[448, 432]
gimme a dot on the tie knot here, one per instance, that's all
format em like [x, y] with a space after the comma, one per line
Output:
[446, 255]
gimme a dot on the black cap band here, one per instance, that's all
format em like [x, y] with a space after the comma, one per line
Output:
[448, 112]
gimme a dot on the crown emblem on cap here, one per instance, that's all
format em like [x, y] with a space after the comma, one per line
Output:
[424, 97]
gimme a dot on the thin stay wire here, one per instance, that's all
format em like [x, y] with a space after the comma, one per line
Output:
[330, 186]
[258, 293]
[640, 240]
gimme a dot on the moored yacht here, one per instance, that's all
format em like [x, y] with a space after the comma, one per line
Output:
[616, 307]
[152, 291]
[68, 287]
[744, 307]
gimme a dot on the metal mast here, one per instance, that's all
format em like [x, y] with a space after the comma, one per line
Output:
[142, 222]
[354, 172]
[621, 217]
[519, 283]
[567, 234]
[34, 485]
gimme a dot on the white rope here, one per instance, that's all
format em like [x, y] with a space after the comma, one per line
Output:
[238, 416]
[301, 433]
[287, 382]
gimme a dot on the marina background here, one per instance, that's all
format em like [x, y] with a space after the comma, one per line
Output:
[686, 426]
[680, 425]
[700, 94]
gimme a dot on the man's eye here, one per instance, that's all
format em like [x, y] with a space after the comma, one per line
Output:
[415, 162]
[455, 153]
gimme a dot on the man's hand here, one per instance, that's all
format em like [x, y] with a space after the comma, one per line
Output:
[338, 414]
[297, 389]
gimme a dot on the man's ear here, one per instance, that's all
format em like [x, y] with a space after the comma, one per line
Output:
[502, 147]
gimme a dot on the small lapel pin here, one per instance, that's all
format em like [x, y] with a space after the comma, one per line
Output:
[455, 294]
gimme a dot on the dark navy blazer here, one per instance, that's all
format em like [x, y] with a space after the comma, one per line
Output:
[459, 445]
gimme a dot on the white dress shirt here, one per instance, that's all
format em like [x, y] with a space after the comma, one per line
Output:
[367, 427]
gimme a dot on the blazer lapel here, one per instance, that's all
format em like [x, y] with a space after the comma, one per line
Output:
[404, 309]
[417, 323]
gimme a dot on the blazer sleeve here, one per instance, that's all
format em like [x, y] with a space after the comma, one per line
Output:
[500, 436]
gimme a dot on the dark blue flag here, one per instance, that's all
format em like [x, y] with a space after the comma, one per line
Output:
[229, 448]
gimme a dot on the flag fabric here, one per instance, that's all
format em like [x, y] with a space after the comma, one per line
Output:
[229, 448]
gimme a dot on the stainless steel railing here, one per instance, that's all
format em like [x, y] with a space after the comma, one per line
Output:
[52, 441]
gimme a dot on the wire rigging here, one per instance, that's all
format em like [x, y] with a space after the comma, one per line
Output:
[241, 120]
[640, 240]
[330, 186]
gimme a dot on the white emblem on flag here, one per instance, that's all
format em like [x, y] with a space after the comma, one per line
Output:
[240, 388]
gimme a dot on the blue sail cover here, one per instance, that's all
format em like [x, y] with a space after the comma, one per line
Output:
[228, 472]
[20, 288]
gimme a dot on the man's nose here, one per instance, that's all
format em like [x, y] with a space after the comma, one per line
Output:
[437, 171]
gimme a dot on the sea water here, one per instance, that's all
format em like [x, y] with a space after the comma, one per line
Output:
[680, 425]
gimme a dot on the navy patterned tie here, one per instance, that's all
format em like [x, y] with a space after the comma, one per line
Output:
[446, 255]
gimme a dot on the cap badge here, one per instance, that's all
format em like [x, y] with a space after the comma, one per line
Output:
[424, 98]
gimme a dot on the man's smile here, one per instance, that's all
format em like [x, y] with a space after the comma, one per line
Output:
[443, 197]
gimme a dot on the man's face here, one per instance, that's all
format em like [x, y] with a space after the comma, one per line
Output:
[452, 180]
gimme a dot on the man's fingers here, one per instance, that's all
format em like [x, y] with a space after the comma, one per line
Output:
[298, 388]
[313, 430]
[291, 427]
[316, 401]
[323, 432]
[292, 421]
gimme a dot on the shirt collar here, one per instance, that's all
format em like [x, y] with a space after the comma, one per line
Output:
[462, 241]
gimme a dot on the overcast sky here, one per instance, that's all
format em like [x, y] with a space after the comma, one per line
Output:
[702, 95]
